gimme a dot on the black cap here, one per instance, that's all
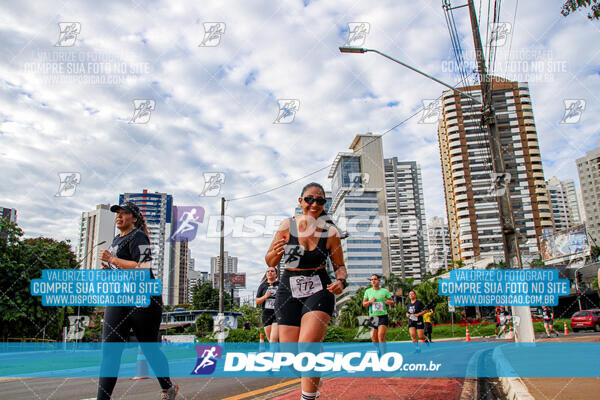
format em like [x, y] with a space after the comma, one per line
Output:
[128, 206]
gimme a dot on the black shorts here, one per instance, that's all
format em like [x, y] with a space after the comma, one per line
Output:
[268, 317]
[289, 310]
[375, 321]
[549, 321]
[428, 327]
[416, 324]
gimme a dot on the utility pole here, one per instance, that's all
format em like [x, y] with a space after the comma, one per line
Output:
[221, 316]
[524, 330]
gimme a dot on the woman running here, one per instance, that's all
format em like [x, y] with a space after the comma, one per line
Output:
[305, 299]
[415, 310]
[265, 297]
[548, 320]
[131, 249]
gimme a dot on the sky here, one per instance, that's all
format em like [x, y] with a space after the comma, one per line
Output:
[212, 77]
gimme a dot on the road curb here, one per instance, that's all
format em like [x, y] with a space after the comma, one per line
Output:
[512, 386]
[470, 389]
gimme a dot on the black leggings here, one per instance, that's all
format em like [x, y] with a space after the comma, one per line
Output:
[118, 322]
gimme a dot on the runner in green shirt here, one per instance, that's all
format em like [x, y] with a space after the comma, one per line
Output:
[376, 298]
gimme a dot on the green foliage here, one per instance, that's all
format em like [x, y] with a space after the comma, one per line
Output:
[21, 314]
[204, 323]
[499, 265]
[339, 334]
[397, 315]
[240, 335]
[250, 313]
[352, 309]
[573, 5]
[538, 262]
[205, 297]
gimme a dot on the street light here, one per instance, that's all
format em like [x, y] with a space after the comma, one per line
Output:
[346, 49]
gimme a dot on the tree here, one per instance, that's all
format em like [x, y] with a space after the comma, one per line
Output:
[251, 313]
[352, 309]
[21, 260]
[205, 297]
[573, 5]
[538, 262]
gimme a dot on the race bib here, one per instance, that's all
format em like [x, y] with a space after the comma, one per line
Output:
[304, 286]
[413, 317]
[378, 306]
[270, 304]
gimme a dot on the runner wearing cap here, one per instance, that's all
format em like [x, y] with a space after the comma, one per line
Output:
[377, 298]
[131, 249]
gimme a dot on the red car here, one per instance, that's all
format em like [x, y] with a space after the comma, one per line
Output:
[586, 319]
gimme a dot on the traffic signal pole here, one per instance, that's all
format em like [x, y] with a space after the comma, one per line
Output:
[523, 325]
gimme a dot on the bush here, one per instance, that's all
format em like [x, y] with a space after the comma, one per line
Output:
[204, 323]
[240, 335]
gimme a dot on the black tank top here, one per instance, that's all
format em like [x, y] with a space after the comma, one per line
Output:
[313, 258]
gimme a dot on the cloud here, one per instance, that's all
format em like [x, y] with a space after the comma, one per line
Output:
[215, 106]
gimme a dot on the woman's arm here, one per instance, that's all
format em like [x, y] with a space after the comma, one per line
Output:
[276, 249]
[262, 299]
[107, 256]
[334, 245]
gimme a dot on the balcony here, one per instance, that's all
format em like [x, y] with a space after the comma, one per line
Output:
[455, 151]
[456, 174]
[463, 213]
[456, 158]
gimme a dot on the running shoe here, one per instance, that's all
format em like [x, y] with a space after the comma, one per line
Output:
[170, 393]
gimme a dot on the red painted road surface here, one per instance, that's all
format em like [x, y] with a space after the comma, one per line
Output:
[385, 388]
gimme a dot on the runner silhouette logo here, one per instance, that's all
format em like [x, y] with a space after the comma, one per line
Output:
[188, 219]
[207, 359]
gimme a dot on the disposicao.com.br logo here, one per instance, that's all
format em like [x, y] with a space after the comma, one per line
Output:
[323, 362]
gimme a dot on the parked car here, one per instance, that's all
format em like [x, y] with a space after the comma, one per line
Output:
[586, 319]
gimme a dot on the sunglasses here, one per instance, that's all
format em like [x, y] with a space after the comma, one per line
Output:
[374, 279]
[320, 200]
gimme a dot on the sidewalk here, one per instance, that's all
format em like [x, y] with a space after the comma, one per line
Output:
[565, 388]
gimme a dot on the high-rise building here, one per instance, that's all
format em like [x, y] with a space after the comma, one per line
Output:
[157, 210]
[471, 190]
[194, 277]
[230, 266]
[406, 215]
[10, 214]
[95, 227]
[589, 178]
[178, 289]
[440, 256]
[563, 199]
[357, 198]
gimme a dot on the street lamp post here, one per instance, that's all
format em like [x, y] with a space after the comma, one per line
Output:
[525, 332]
[345, 49]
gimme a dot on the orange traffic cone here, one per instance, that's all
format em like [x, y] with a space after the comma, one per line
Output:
[566, 329]
[261, 341]
[511, 334]
[468, 337]
[141, 366]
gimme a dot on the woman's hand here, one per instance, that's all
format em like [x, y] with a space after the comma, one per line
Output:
[279, 246]
[336, 287]
[106, 255]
